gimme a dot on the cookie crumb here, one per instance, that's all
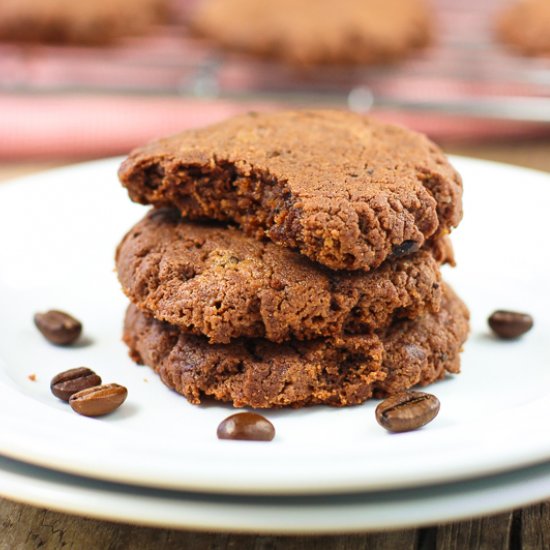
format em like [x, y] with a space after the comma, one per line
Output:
[32, 377]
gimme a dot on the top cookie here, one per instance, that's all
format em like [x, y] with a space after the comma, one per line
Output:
[308, 32]
[526, 26]
[343, 189]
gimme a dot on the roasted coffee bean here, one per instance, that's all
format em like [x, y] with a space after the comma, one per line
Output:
[247, 426]
[407, 411]
[58, 327]
[406, 247]
[510, 324]
[72, 381]
[98, 400]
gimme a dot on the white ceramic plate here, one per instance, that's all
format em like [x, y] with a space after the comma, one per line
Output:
[58, 231]
[290, 514]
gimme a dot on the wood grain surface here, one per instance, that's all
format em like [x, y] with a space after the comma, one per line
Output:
[25, 527]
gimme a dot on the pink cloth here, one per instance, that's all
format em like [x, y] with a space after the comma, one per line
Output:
[463, 62]
[49, 127]
[89, 126]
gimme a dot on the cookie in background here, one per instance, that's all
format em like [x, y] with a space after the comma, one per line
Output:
[525, 26]
[315, 32]
[87, 22]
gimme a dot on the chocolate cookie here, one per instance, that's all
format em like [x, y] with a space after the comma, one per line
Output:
[343, 189]
[526, 26]
[307, 32]
[338, 372]
[92, 22]
[218, 282]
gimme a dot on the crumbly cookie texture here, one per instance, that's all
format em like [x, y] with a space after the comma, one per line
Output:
[312, 32]
[92, 22]
[341, 188]
[525, 25]
[337, 372]
[216, 281]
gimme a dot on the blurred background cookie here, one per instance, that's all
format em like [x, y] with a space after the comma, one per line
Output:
[525, 25]
[305, 32]
[78, 22]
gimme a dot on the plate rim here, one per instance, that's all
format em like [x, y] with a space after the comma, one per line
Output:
[92, 498]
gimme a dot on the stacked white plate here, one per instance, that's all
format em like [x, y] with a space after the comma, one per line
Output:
[157, 459]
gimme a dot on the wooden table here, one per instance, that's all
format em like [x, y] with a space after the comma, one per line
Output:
[25, 527]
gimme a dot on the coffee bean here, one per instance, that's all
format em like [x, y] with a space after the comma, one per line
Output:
[72, 381]
[98, 400]
[510, 324]
[58, 327]
[406, 247]
[247, 426]
[407, 411]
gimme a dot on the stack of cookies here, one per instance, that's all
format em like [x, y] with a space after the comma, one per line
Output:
[292, 259]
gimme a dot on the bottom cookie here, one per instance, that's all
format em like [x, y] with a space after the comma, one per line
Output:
[337, 372]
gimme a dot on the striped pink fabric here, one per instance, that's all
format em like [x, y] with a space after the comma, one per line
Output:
[90, 126]
[155, 76]
[86, 126]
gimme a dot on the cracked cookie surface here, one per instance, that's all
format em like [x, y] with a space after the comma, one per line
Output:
[338, 372]
[213, 280]
[341, 188]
